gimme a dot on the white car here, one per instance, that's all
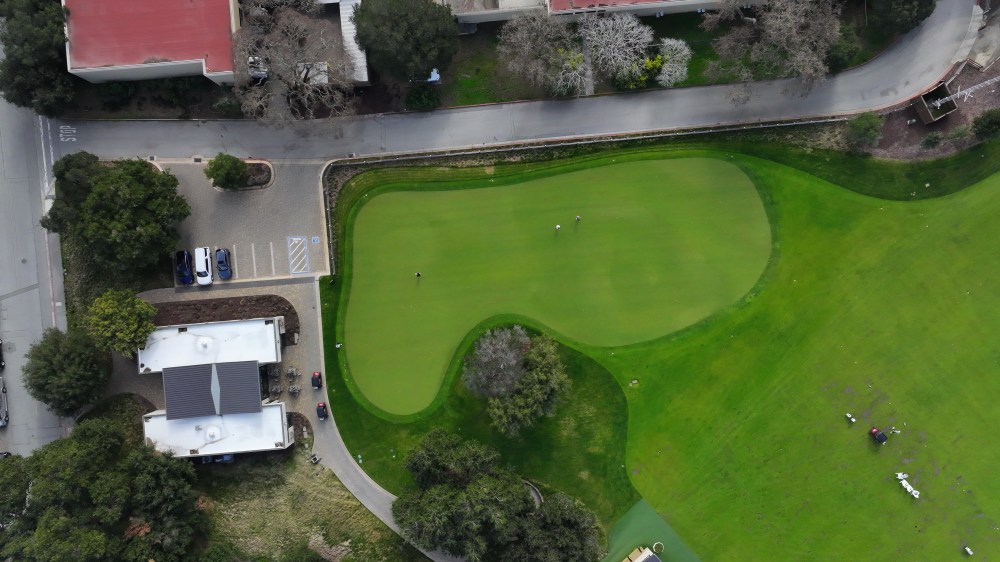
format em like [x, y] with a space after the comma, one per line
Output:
[203, 266]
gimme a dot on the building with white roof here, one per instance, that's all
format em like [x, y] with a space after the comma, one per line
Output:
[213, 386]
[213, 342]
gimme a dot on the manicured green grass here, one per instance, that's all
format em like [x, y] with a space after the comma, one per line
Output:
[579, 450]
[736, 430]
[662, 244]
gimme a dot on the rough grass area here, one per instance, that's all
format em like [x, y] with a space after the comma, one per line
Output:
[661, 244]
[736, 426]
[476, 76]
[267, 506]
[85, 281]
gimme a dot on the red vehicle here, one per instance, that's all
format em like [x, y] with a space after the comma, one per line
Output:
[321, 411]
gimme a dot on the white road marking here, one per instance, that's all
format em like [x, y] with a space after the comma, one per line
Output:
[298, 255]
[236, 272]
[253, 254]
[271, 244]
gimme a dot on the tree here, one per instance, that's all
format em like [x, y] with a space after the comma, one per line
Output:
[120, 321]
[986, 124]
[63, 371]
[497, 361]
[94, 496]
[471, 521]
[445, 458]
[544, 51]
[406, 39]
[127, 217]
[842, 52]
[535, 394]
[617, 43]
[227, 172]
[789, 38]
[74, 175]
[290, 66]
[676, 56]
[865, 130]
[33, 71]
[561, 529]
[900, 16]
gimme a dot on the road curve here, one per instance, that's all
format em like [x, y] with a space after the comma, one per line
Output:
[907, 68]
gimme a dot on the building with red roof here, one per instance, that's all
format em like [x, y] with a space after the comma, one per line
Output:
[111, 40]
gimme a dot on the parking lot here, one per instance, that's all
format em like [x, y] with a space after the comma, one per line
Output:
[272, 233]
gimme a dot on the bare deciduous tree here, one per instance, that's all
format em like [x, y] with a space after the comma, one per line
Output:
[789, 38]
[617, 43]
[544, 51]
[497, 362]
[296, 69]
[676, 56]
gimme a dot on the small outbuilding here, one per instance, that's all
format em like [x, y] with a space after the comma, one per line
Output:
[878, 436]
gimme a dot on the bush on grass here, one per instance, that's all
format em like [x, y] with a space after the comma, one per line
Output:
[422, 97]
[120, 321]
[864, 131]
[986, 124]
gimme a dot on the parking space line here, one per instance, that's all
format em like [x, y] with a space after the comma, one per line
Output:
[298, 255]
[236, 272]
[271, 244]
[253, 255]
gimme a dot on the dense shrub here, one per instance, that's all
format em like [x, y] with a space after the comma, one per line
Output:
[986, 124]
[864, 131]
[422, 97]
[843, 51]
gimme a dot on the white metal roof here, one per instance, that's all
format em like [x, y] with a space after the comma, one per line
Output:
[212, 342]
[359, 62]
[266, 430]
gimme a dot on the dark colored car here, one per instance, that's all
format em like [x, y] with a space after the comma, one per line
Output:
[321, 411]
[317, 380]
[2, 362]
[185, 267]
[4, 414]
[222, 264]
[878, 436]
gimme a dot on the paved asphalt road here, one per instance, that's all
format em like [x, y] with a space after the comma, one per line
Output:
[27, 304]
[907, 68]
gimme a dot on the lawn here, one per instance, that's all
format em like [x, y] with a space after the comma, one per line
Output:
[736, 432]
[661, 245]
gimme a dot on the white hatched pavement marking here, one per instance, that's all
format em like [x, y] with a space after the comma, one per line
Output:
[298, 255]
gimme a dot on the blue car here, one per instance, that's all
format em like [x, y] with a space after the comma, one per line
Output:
[222, 264]
[185, 267]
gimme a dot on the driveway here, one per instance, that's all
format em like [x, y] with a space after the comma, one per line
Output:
[275, 232]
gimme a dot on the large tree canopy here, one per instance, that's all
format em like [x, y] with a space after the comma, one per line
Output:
[120, 321]
[900, 16]
[64, 371]
[469, 507]
[94, 497]
[789, 38]
[33, 71]
[124, 211]
[406, 39]
[544, 51]
[299, 69]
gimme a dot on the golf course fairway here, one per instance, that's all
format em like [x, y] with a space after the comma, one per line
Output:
[659, 245]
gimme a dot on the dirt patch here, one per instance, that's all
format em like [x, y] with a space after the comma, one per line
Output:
[903, 136]
[258, 173]
[232, 308]
[301, 427]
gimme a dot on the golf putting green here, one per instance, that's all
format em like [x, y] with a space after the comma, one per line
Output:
[661, 244]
